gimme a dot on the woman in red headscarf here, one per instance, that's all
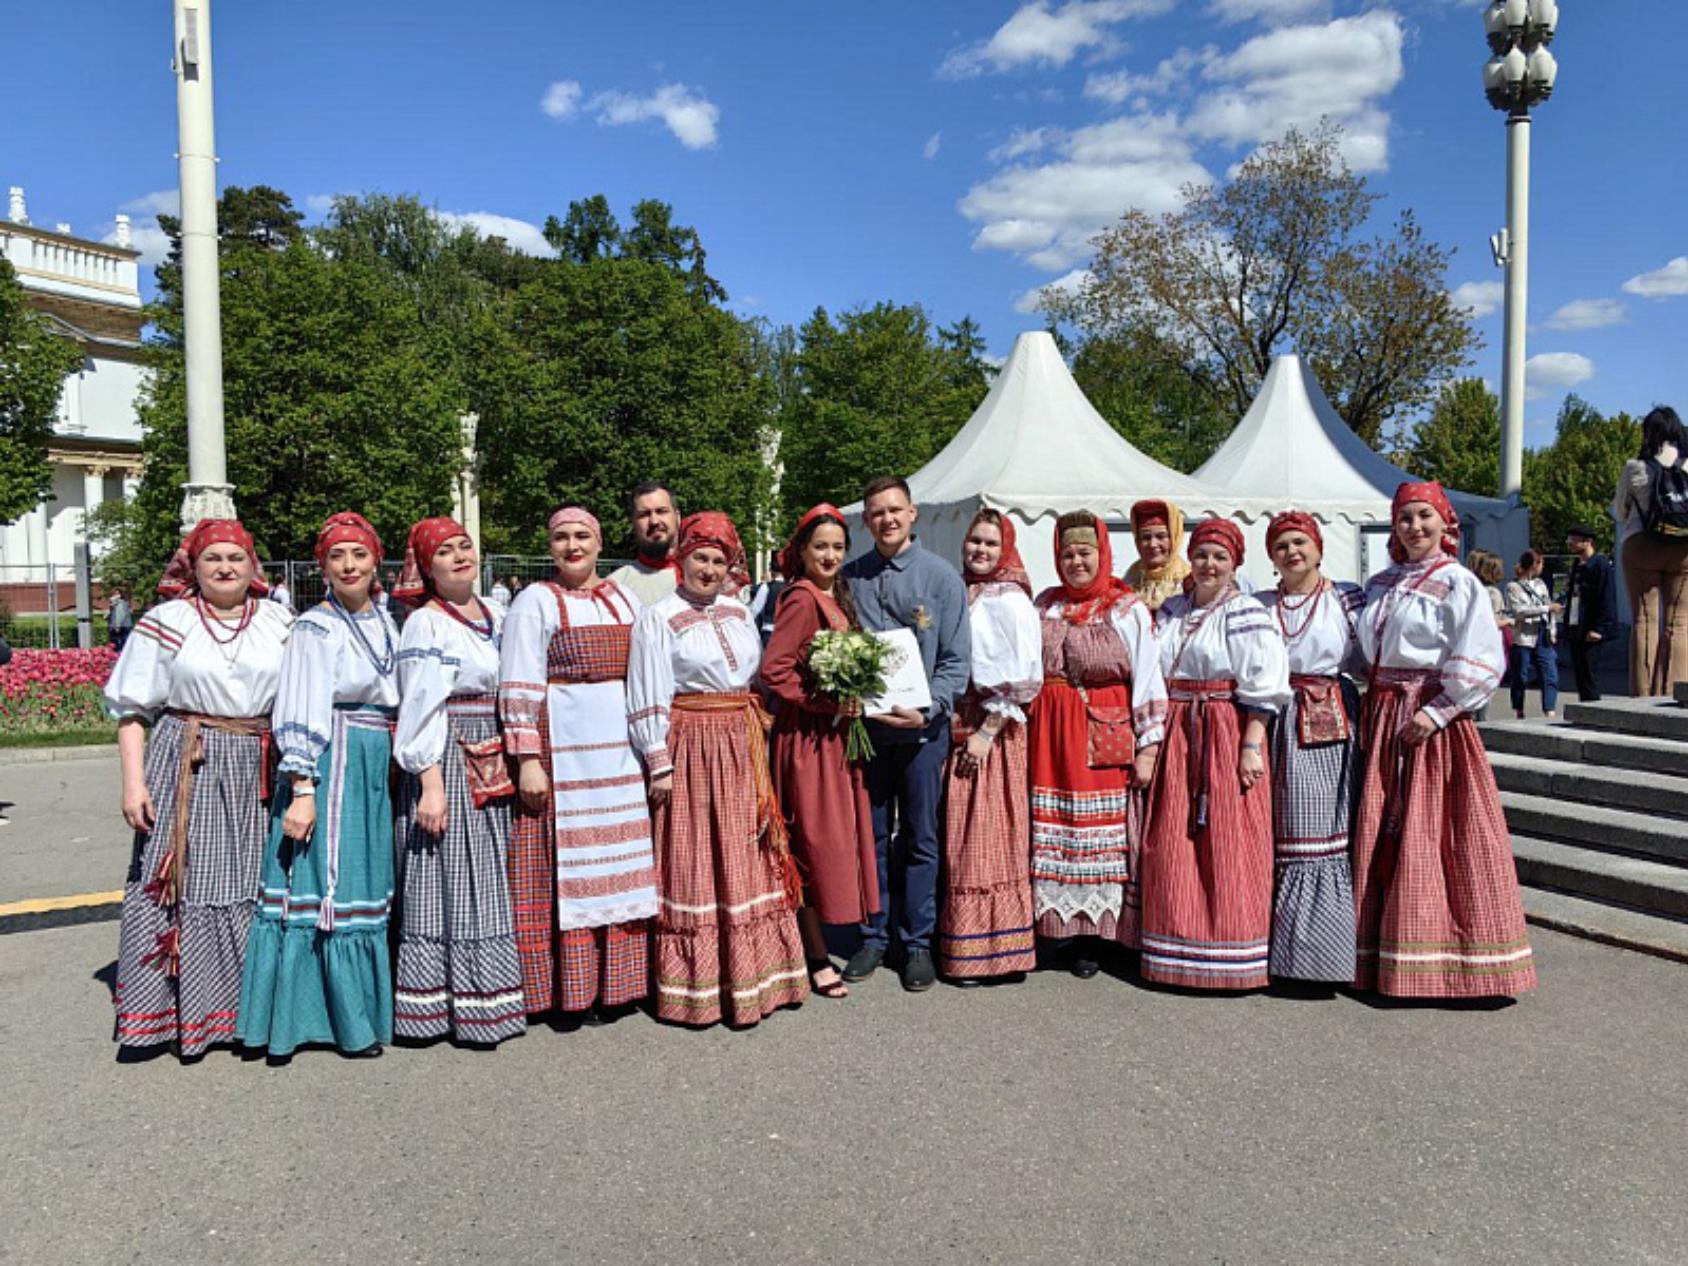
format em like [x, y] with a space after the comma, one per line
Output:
[199, 673]
[985, 900]
[822, 794]
[1095, 735]
[1207, 855]
[582, 873]
[727, 945]
[318, 969]
[458, 973]
[1312, 744]
[1160, 569]
[1437, 893]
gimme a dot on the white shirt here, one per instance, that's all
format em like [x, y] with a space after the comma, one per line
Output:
[439, 658]
[171, 661]
[325, 665]
[684, 647]
[648, 584]
[1234, 640]
[1007, 639]
[1326, 630]
[1131, 619]
[1435, 622]
[526, 646]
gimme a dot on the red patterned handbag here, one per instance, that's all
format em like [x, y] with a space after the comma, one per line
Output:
[1111, 743]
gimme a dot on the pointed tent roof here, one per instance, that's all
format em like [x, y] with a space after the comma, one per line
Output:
[1292, 448]
[1035, 444]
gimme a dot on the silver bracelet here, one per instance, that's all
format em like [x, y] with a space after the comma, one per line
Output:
[1251, 747]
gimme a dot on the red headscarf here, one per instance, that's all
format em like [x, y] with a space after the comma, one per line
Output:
[179, 580]
[1219, 532]
[791, 560]
[707, 529]
[1148, 513]
[415, 584]
[349, 527]
[1105, 588]
[1294, 521]
[1010, 568]
[1432, 495]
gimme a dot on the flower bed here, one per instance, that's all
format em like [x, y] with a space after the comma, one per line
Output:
[52, 692]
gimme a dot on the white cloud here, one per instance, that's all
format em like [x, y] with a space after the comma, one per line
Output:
[1297, 75]
[1479, 298]
[1068, 283]
[1047, 213]
[1555, 371]
[1661, 283]
[561, 99]
[1272, 11]
[1023, 141]
[1587, 314]
[164, 202]
[684, 111]
[521, 235]
[1172, 73]
[1037, 34]
[929, 150]
[144, 234]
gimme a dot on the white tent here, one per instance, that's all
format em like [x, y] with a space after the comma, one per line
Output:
[1034, 449]
[1292, 449]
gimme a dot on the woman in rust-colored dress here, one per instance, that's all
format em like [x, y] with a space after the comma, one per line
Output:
[821, 793]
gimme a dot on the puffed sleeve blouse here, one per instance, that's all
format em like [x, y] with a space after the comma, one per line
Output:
[172, 660]
[440, 658]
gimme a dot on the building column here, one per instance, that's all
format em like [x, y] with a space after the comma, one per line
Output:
[131, 482]
[93, 493]
[38, 539]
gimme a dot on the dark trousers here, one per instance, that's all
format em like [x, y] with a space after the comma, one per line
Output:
[1535, 665]
[1585, 662]
[905, 785]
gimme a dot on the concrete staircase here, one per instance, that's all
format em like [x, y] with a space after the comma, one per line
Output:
[1598, 809]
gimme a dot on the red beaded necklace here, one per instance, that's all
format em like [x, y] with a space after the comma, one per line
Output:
[1284, 604]
[248, 609]
[481, 628]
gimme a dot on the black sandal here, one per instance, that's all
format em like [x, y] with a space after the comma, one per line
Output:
[837, 989]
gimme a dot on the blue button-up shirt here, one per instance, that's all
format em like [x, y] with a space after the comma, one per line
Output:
[918, 590]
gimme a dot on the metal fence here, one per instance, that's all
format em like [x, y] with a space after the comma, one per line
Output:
[38, 607]
[306, 585]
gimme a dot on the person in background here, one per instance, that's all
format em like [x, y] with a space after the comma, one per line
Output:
[5, 651]
[899, 584]
[655, 522]
[200, 674]
[1534, 659]
[279, 592]
[120, 618]
[765, 599]
[1591, 610]
[1160, 569]
[501, 592]
[1491, 571]
[1651, 510]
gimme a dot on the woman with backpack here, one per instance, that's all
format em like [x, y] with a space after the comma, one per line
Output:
[1651, 509]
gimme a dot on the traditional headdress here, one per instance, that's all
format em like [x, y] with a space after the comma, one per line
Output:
[349, 526]
[791, 560]
[415, 584]
[1294, 521]
[576, 514]
[179, 580]
[1219, 532]
[1105, 588]
[708, 529]
[1157, 584]
[1432, 495]
[1010, 569]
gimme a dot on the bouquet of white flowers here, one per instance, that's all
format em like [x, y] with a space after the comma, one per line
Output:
[847, 666]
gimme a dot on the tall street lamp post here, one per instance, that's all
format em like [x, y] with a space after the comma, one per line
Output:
[207, 493]
[1519, 76]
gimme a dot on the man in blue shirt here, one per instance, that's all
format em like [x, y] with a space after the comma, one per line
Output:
[896, 585]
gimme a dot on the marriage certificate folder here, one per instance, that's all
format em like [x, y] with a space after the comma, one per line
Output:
[905, 676]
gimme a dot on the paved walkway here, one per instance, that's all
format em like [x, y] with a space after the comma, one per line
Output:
[1054, 1121]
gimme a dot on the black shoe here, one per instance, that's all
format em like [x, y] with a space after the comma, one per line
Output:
[1084, 968]
[918, 973]
[863, 963]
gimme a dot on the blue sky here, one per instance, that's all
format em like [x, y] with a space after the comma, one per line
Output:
[957, 154]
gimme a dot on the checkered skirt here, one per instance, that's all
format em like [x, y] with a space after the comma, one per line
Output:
[1312, 801]
[985, 895]
[458, 972]
[225, 848]
[727, 945]
[1437, 892]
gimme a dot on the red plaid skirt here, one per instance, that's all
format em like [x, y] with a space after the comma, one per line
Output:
[985, 903]
[1434, 882]
[1207, 884]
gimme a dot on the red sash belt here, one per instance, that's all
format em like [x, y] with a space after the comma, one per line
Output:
[1198, 729]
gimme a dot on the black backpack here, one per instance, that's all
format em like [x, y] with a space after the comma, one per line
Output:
[1667, 508]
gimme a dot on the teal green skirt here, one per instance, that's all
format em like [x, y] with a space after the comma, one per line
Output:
[317, 963]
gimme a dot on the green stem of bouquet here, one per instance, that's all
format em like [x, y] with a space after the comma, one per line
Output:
[858, 745]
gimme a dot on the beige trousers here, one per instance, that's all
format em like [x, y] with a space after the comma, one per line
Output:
[1656, 574]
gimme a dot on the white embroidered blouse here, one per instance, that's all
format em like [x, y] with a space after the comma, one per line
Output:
[326, 664]
[172, 661]
[1435, 617]
[1234, 640]
[1007, 663]
[682, 646]
[440, 658]
[1322, 636]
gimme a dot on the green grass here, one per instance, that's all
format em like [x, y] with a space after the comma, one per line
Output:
[34, 631]
[63, 738]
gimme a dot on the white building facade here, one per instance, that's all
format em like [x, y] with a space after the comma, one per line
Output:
[89, 291]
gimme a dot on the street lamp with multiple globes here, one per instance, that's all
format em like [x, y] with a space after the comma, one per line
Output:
[1519, 76]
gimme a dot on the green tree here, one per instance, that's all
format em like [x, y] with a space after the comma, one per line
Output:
[879, 392]
[1273, 259]
[1571, 480]
[34, 362]
[1458, 445]
[1159, 406]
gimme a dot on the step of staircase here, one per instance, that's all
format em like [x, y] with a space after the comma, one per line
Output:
[1646, 886]
[1610, 925]
[1572, 822]
[1554, 740]
[1681, 693]
[1657, 794]
[1657, 718]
